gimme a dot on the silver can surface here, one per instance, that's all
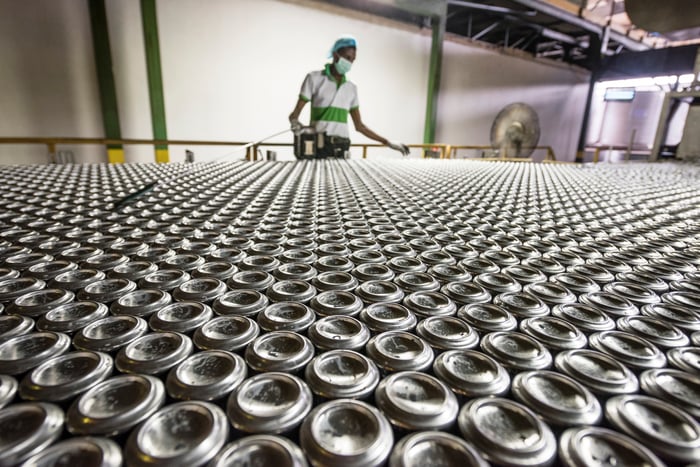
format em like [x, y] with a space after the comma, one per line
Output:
[262, 449]
[240, 302]
[338, 332]
[85, 451]
[14, 325]
[71, 317]
[22, 353]
[206, 375]
[557, 398]
[342, 374]
[63, 377]
[599, 372]
[8, 389]
[184, 433]
[394, 351]
[584, 446]
[664, 428]
[470, 373]
[270, 403]
[516, 351]
[554, 333]
[674, 386]
[30, 428]
[153, 353]
[380, 317]
[434, 448]
[447, 333]
[183, 317]
[416, 401]
[232, 333]
[635, 352]
[279, 351]
[286, 316]
[115, 405]
[336, 302]
[346, 432]
[141, 302]
[110, 334]
[507, 433]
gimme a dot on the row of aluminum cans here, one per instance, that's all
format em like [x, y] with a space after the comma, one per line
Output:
[346, 313]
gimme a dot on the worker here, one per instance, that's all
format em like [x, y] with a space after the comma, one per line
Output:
[332, 97]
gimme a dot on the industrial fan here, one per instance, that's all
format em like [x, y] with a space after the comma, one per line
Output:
[515, 131]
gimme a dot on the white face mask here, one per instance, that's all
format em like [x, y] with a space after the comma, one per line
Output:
[343, 65]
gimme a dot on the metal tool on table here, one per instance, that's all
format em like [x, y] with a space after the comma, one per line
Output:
[131, 197]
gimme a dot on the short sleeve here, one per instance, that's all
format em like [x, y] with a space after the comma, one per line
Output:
[306, 92]
[355, 101]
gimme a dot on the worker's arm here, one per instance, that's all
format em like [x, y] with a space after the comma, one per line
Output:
[294, 116]
[365, 130]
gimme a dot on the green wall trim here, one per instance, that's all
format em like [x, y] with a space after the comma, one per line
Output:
[155, 76]
[438, 24]
[103, 67]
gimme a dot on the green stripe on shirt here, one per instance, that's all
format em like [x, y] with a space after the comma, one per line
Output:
[329, 114]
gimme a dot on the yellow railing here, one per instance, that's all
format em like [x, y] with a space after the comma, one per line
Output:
[438, 150]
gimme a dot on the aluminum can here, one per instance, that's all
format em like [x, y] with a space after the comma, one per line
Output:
[208, 375]
[164, 279]
[12, 289]
[445, 273]
[299, 271]
[554, 333]
[380, 317]
[107, 290]
[24, 352]
[265, 449]
[241, 302]
[434, 448]
[466, 293]
[253, 280]
[674, 386]
[644, 279]
[184, 433]
[110, 334]
[115, 405]
[332, 302]
[7, 273]
[141, 302]
[416, 401]
[496, 427]
[599, 372]
[232, 333]
[339, 374]
[664, 428]
[153, 353]
[48, 270]
[204, 290]
[183, 262]
[582, 446]
[685, 358]
[524, 274]
[469, 374]
[654, 330]
[291, 291]
[635, 293]
[220, 270]
[610, 303]
[79, 451]
[486, 317]
[63, 377]
[394, 351]
[183, 317]
[346, 432]
[33, 426]
[335, 281]
[338, 332]
[688, 299]
[635, 352]
[133, 270]
[585, 318]
[411, 282]
[522, 304]
[286, 316]
[447, 333]
[561, 401]
[516, 351]
[279, 351]
[373, 272]
[379, 292]
[35, 304]
[597, 273]
[8, 389]
[269, 403]
[551, 293]
[14, 325]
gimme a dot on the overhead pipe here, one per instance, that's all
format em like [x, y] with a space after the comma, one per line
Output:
[575, 20]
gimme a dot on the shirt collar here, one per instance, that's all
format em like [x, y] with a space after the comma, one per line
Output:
[327, 72]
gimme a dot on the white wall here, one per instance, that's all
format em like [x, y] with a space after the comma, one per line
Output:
[478, 82]
[47, 77]
[232, 71]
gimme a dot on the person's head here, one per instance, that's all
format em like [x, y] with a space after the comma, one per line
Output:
[343, 53]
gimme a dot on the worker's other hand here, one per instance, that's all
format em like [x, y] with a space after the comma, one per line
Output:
[295, 125]
[402, 148]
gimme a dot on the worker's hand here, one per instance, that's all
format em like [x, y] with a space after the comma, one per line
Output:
[396, 146]
[295, 124]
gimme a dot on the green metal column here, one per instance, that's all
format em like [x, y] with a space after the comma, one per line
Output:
[155, 77]
[105, 79]
[438, 24]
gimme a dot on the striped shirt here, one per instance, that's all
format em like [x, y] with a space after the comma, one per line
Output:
[330, 102]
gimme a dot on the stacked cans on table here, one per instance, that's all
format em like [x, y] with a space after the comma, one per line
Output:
[339, 313]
